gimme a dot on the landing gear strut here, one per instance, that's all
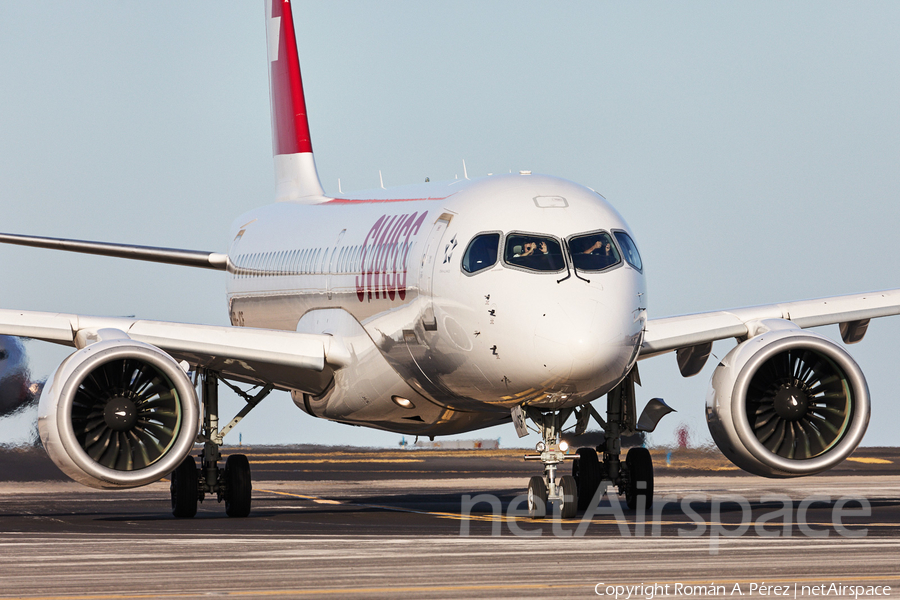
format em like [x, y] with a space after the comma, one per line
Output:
[633, 478]
[231, 484]
[552, 453]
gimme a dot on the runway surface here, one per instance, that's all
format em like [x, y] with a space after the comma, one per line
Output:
[361, 524]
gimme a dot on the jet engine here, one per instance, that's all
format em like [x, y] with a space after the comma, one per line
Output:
[787, 403]
[118, 414]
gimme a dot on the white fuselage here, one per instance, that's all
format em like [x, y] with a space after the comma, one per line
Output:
[461, 348]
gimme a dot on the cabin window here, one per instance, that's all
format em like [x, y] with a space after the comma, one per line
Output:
[594, 252]
[481, 252]
[632, 257]
[534, 252]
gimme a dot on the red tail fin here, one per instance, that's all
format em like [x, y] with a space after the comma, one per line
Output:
[295, 167]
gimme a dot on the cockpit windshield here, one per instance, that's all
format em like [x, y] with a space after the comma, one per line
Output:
[594, 252]
[534, 252]
[629, 250]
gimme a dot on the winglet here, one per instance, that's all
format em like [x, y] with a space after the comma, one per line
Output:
[295, 168]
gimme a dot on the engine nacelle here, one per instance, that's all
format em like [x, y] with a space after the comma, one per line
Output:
[787, 403]
[118, 414]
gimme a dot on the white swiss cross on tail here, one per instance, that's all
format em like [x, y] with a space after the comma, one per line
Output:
[295, 168]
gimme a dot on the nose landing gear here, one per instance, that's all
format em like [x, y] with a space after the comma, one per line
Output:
[633, 478]
[552, 450]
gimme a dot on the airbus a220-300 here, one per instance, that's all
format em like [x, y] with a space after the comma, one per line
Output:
[400, 309]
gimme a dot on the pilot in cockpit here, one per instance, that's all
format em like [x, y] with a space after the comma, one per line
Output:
[605, 247]
[532, 255]
[530, 249]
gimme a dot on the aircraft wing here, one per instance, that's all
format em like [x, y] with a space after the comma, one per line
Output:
[285, 359]
[685, 332]
[172, 256]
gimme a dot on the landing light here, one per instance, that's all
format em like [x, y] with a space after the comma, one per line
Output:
[541, 446]
[402, 402]
[563, 446]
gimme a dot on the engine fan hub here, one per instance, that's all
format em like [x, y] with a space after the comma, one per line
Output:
[120, 414]
[791, 402]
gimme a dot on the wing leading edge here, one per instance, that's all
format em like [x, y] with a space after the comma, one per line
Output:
[852, 312]
[286, 359]
[172, 256]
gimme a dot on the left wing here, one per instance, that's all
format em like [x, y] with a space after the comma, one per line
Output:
[694, 334]
[172, 256]
[286, 359]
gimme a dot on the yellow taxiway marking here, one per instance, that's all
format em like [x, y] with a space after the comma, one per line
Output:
[870, 461]
[419, 454]
[313, 498]
[491, 518]
[338, 461]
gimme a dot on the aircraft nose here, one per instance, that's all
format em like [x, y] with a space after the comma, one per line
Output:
[578, 341]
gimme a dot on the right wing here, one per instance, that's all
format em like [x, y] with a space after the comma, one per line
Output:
[694, 334]
[286, 359]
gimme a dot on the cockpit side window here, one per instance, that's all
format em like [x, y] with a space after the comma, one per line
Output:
[481, 252]
[629, 249]
[594, 252]
[534, 252]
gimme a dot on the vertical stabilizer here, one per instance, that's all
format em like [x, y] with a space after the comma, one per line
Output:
[296, 177]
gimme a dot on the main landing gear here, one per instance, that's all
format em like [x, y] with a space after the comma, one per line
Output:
[231, 484]
[633, 478]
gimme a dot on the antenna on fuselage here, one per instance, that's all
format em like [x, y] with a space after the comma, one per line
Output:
[380, 179]
[465, 173]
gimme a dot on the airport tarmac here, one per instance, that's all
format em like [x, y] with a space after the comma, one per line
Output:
[385, 523]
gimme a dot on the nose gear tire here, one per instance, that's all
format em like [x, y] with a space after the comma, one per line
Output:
[568, 491]
[537, 497]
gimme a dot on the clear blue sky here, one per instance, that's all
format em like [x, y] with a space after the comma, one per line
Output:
[754, 148]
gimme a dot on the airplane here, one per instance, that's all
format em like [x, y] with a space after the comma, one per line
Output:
[403, 309]
[17, 390]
